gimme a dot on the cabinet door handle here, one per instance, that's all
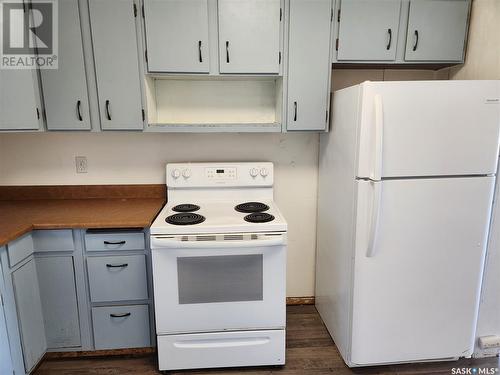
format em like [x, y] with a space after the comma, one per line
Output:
[200, 57]
[227, 51]
[117, 265]
[115, 242]
[416, 41]
[389, 31]
[294, 111]
[78, 110]
[120, 315]
[108, 114]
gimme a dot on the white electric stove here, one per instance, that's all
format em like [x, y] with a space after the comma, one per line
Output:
[219, 268]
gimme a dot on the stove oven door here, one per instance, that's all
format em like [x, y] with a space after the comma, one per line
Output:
[206, 283]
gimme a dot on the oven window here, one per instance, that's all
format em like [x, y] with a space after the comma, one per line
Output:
[228, 278]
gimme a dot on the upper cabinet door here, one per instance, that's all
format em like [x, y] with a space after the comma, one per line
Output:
[437, 30]
[309, 64]
[19, 98]
[177, 35]
[65, 89]
[116, 63]
[368, 30]
[249, 36]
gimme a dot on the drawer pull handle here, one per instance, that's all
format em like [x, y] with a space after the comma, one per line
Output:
[117, 265]
[119, 315]
[115, 242]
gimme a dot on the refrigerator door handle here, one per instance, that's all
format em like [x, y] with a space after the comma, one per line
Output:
[374, 220]
[378, 139]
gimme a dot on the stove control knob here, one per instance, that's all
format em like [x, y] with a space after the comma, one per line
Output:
[176, 173]
[264, 172]
[254, 172]
[186, 173]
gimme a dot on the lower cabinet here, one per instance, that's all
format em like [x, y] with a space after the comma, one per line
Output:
[56, 277]
[46, 293]
[119, 288]
[5, 356]
[29, 312]
[121, 327]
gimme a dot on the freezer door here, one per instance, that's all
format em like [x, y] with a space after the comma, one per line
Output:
[428, 128]
[419, 253]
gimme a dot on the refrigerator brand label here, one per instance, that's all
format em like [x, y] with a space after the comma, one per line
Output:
[492, 101]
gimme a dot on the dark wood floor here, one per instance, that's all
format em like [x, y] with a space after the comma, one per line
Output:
[310, 350]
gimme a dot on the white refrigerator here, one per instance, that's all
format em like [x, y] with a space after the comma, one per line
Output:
[406, 184]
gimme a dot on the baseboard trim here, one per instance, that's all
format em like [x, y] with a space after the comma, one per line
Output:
[101, 353]
[291, 301]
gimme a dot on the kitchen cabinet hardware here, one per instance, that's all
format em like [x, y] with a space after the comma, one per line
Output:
[415, 45]
[199, 51]
[120, 315]
[115, 242]
[227, 51]
[117, 265]
[108, 114]
[78, 110]
[389, 32]
[294, 111]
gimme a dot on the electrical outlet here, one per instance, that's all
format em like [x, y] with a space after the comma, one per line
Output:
[81, 164]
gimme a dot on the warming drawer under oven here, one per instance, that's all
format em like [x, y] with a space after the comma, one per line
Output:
[214, 283]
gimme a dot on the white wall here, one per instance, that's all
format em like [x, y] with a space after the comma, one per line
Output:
[483, 52]
[483, 62]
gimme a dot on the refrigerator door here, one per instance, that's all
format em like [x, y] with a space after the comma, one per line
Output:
[419, 252]
[428, 128]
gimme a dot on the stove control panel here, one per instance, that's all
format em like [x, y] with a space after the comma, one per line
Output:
[191, 175]
[227, 173]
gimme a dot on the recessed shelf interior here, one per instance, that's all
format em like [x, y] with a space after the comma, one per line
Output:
[213, 100]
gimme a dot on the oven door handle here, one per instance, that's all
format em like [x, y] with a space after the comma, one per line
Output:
[173, 243]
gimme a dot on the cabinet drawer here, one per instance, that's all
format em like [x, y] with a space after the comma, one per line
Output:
[121, 327]
[114, 241]
[117, 278]
[20, 249]
[221, 349]
[53, 240]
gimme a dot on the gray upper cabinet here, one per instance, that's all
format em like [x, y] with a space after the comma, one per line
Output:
[309, 65]
[65, 89]
[19, 100]
[368, 30]
[177, 35]
[249, 36]
[116, 58]
[29, 309]
[437, 30]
